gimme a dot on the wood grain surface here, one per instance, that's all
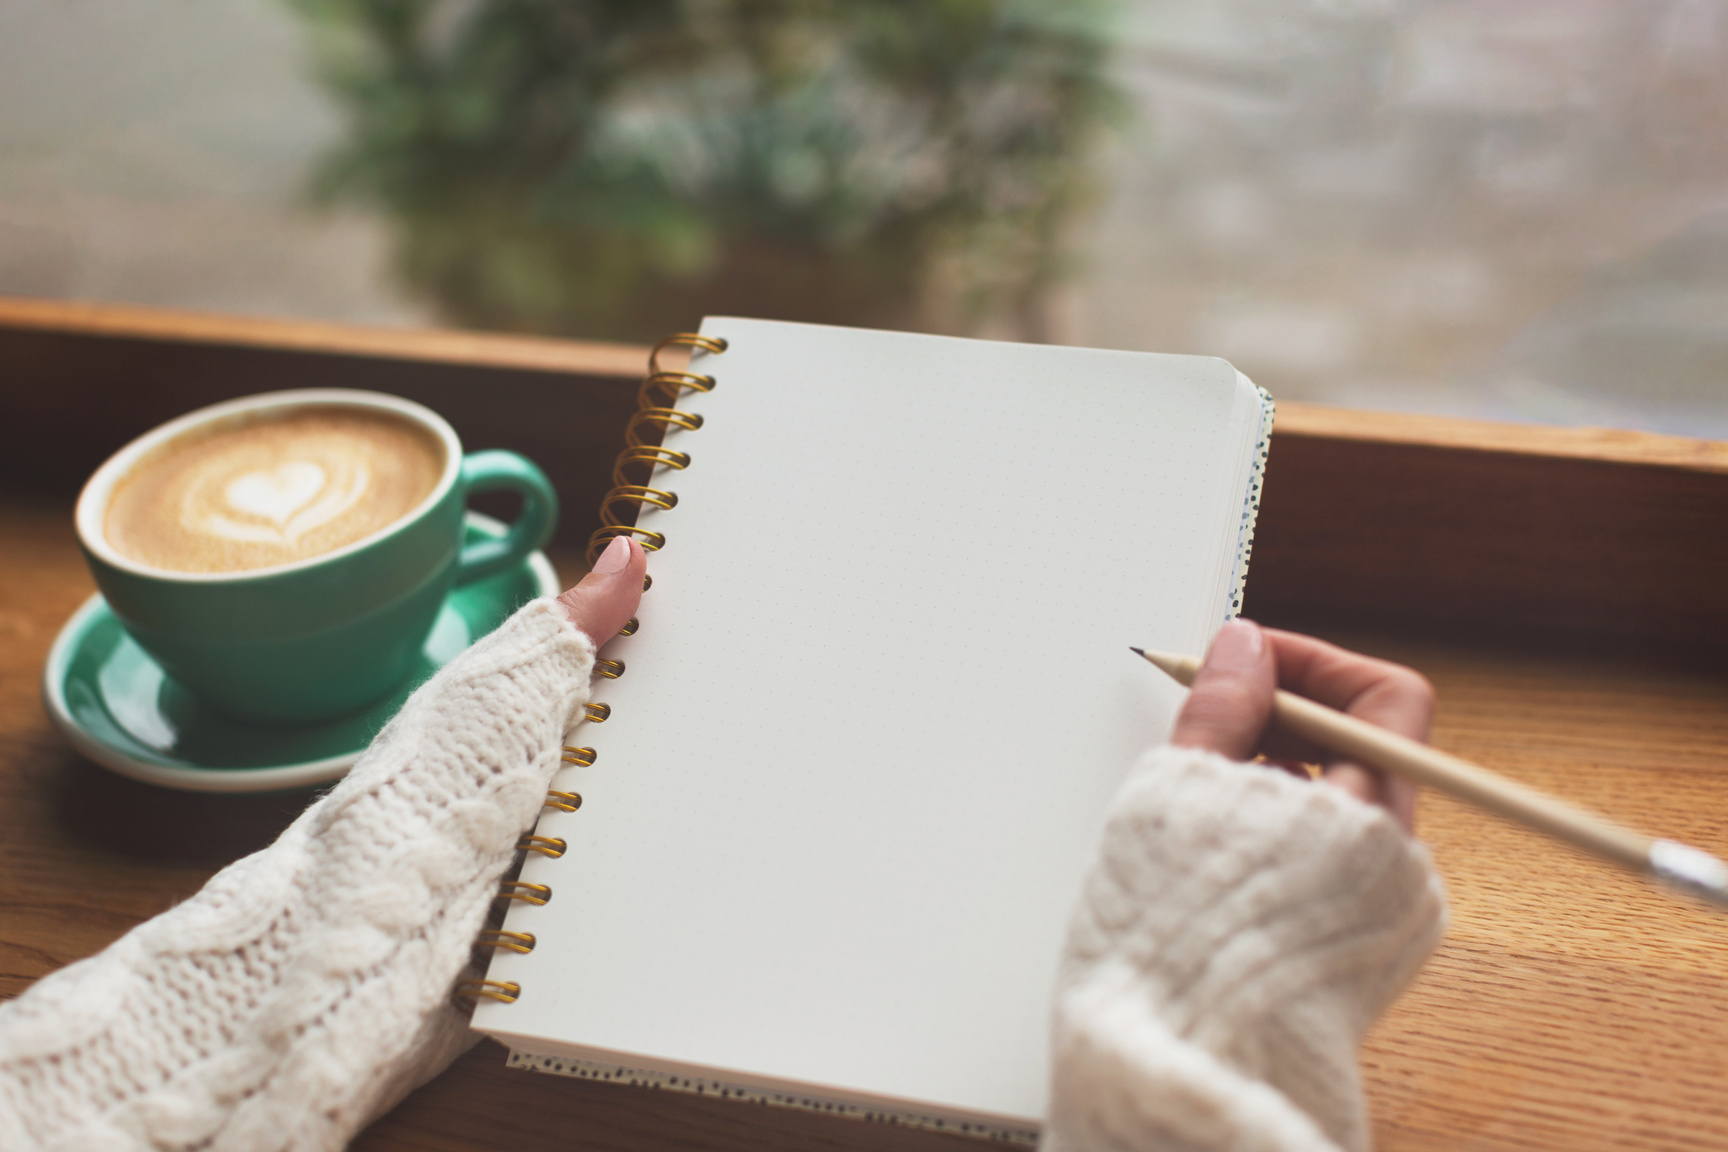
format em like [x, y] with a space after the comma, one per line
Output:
[1570, 1006]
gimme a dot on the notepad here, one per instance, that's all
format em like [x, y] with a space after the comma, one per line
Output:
[850, 777]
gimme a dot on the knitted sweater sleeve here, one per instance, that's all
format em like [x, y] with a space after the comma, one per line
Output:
[307, 987]
[1239, 932]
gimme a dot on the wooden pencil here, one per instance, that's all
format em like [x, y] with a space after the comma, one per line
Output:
[1678, 865]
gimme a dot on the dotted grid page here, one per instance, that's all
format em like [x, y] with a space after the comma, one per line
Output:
[879, 700]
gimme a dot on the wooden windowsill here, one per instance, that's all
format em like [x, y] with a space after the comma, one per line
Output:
[441, 345]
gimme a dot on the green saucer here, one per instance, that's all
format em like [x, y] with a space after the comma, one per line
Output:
[116, 706]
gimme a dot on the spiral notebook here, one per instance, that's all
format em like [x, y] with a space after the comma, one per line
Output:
[818, 841]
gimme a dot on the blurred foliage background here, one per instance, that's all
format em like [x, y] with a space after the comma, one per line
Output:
[618, 168]
[1504, 209]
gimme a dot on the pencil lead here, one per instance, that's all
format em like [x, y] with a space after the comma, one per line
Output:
[1136, 651]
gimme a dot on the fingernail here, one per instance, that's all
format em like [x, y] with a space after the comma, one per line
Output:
[616, 558]
[1238, 647]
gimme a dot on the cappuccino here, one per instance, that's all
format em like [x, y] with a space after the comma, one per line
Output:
[258, 492]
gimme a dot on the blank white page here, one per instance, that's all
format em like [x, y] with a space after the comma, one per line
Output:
[879, 699]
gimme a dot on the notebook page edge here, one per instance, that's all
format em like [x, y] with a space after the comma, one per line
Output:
[537, 1053]
[1252, 485]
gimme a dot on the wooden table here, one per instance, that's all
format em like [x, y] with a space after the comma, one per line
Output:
[1566, 591]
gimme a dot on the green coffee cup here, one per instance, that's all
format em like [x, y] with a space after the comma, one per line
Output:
[330, 633]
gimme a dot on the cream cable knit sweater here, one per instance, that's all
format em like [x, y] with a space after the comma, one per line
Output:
[307, 987]
[1239, 932]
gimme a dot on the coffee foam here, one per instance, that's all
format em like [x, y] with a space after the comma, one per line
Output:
[269, 489]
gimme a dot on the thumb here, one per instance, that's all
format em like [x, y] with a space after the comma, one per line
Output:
[608, 595]
[1231, 702]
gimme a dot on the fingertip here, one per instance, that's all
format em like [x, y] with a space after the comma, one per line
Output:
[609, 594]
[1239, 646]
[1231, 701]
[617, 556]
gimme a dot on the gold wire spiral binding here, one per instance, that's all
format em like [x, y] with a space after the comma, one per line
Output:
[506, 990]
[654, 455]
[498, 938]
[639, 452]
[714, 344]
[666, 418]
[671, 385]
[656, 402]
[524, 891]
[651, 541]
[564, 801]
[641, 494]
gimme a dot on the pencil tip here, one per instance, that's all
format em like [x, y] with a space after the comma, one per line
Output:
[1136, 651]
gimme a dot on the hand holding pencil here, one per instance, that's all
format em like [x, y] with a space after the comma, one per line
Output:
[1230, 709]
[1373, 747]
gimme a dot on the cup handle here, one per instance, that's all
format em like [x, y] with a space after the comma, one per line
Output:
[500, 471]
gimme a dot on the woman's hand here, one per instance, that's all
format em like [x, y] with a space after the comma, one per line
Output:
[608, 595]
[1230, 707]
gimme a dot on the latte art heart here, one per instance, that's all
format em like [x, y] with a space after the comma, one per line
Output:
[273, 491]
[282, 505]
[279, 494]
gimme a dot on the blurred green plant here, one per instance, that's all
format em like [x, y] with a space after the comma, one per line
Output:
[617, 168]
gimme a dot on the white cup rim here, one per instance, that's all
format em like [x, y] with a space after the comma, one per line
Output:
[93, 501]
